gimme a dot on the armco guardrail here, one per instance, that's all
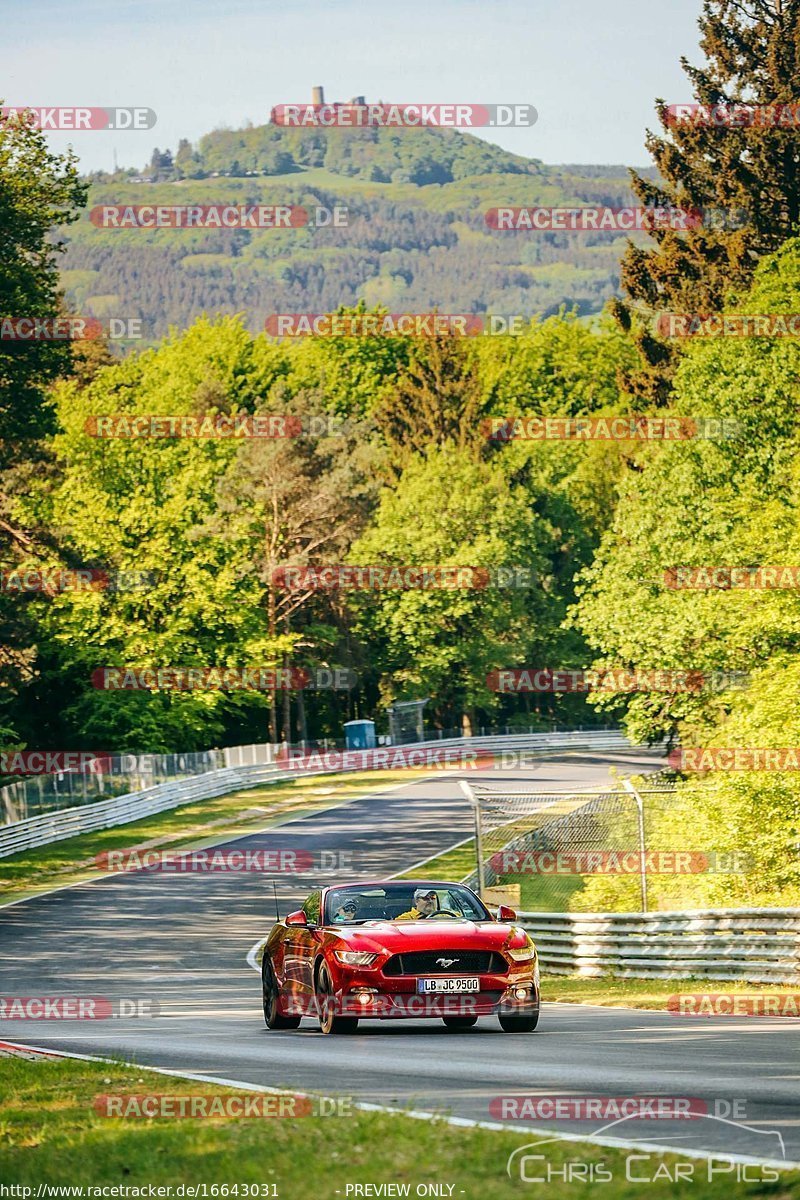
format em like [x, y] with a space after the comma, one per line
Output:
[66, 823]
[580, 739]
[754, 945]
[101, 777]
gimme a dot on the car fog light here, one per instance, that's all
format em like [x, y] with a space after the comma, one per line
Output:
[520, 993]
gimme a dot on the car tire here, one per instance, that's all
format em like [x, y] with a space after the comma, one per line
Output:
[329, 1023]
[519, 1022]
[273, 1018]
[460, 1022]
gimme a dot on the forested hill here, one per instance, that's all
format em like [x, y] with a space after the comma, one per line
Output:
[416, 238]
[374, 155]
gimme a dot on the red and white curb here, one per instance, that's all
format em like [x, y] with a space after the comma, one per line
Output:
[17, 1050]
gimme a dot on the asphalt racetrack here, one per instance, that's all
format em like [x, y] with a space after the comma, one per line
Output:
[181, 942]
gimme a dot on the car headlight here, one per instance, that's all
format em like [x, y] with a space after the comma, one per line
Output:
[522, 954]
[355, 958]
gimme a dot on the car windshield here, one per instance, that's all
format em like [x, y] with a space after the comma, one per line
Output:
[403, 902]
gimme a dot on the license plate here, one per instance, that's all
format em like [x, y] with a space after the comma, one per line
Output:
[451, 984]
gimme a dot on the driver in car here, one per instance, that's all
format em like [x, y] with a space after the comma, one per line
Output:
[426, 902]
[346, 911]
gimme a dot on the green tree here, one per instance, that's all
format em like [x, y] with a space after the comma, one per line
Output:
[352, 374]
[745, 821]
[716, 501]
[294, 502]
[39, 193]
[437, 400]
[185, 159]
[449, 510]
[559, 365]
[143, 504]
[752, 51]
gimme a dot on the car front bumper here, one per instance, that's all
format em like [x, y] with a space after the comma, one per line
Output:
[383, 998]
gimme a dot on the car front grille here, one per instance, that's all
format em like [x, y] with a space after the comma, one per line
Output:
[447, 962]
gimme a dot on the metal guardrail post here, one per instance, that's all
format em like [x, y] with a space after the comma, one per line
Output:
[473, 800]
[626, 783]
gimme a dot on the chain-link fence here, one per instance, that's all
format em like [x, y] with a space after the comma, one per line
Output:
[406, 722]
[556, 851]
[104, 777]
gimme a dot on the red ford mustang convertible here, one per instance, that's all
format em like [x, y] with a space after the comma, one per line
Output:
[388, 950]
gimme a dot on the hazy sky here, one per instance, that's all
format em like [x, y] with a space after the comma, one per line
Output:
[592, 70]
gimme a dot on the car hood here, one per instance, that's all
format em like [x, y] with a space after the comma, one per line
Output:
[397, 937]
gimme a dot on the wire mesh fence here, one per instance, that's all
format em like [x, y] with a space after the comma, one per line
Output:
[104, 777]
[556, 851]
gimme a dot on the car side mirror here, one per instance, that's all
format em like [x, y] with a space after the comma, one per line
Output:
[297, 918]
[504, 913]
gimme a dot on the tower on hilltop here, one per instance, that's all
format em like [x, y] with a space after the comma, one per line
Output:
[318, 98]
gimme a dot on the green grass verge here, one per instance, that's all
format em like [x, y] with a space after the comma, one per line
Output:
[545, 893]
[50, 1133]
[645, 993]
[197, 825]
[453, 864]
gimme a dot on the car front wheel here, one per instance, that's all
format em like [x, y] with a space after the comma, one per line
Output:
[329, 1023]
[519, 1022]
[270, 995]
[460, 1022]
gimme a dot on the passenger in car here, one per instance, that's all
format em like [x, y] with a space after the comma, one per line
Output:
[346, 911]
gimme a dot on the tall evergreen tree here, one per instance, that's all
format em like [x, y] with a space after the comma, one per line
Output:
[438, 399]
[38, 191]
[748, 174]
[185, 161]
